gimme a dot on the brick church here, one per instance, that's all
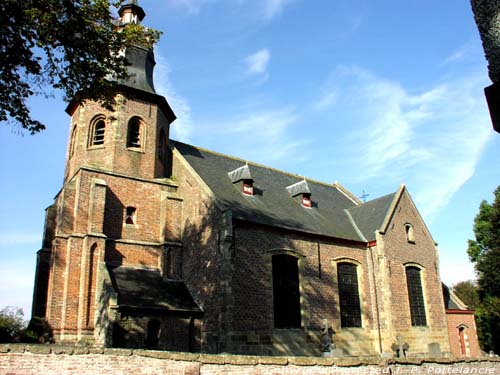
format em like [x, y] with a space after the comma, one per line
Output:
[159, 244]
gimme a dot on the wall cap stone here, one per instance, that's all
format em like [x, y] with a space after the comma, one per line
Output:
[232, 359]
[282, 361]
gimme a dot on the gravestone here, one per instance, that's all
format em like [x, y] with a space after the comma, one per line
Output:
[434, 350]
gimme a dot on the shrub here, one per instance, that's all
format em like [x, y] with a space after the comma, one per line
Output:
[12, 324]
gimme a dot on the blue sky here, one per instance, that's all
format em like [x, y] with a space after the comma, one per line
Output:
[371, 94]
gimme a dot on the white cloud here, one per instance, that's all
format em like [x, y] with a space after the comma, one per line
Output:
[431, 141]
[265, 9]
[462, 53]
[191, 6]
[327, 100]
[274, 7]
[257, 63]
[272, 131]
[182, 128]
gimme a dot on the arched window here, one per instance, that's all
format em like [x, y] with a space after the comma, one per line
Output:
[164, 154]
[169, 264]
[410, 236]
[152, 334]
[130, 213]
[97, 130]
[134, 136]
[461, 334]
[415, 296]
[286, 293]
[162, 146]
[350, 309]
[72, 142]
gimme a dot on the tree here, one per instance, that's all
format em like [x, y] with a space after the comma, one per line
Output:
[11, 324]
[484, 251]
[69, 45]
[488, 323]
[468, 293]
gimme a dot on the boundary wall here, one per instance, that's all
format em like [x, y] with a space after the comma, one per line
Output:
[20, 359]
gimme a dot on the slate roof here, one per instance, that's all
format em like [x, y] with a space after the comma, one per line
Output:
[370, 215]
[242, 173]
[451, 300]
[300, 187]
[142, 288]
[272, 204]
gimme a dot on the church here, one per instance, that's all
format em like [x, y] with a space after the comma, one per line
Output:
[153, 243]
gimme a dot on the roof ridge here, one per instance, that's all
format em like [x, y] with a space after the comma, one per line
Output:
[373, 200]
[333, 185]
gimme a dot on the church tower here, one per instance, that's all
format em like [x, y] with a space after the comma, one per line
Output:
[114, 224]
[132, 139]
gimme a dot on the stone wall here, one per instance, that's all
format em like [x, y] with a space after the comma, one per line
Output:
[65, 360]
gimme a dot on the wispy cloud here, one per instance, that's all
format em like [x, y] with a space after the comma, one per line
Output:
[257, 63]
[462, 53]
[191, 6]
[265, 9]
[274, 7]
[432, 141]
[182, 128]
[271, 128]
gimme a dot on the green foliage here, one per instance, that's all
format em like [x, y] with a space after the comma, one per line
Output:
[39, 331]
[11, 324]
[488, 323]
[484, 251]
[467, 291]
[71, 45]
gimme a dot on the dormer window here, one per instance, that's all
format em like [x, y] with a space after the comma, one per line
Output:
[301, 192]
[242, 177]
[306, 200]
[248, 187]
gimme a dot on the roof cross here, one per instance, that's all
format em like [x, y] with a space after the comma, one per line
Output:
[364, 196]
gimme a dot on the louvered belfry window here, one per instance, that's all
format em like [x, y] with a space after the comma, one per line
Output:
[98, 136]
[350, 309]
[134, 133]
[416, 296]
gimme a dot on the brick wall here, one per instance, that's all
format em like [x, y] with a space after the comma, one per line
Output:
[114, 155]
[45, 359]
[461, 319]
[396, 252]
[202, 253]
[253, 323]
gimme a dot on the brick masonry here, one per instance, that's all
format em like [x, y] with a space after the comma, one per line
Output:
[69, 360]
[179, 230]
[457, 320]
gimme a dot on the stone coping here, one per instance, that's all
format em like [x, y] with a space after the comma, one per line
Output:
[232, 359]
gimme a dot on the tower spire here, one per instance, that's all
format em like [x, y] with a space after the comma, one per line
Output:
[131, 12]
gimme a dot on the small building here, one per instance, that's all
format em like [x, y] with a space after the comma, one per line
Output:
[461, 326]
[159, 244]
